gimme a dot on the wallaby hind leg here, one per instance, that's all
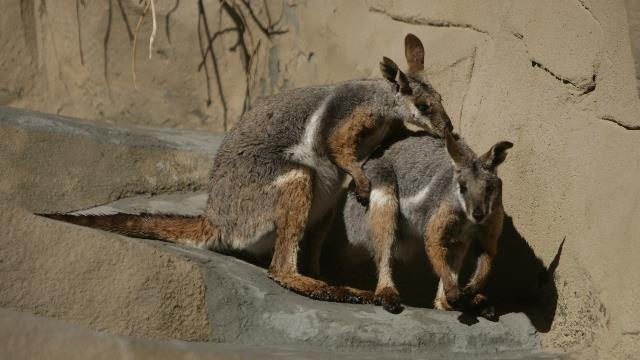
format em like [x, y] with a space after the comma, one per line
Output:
[454, 264]
[383, 219]
[486, 248]
[292, 210]
[317, 237]
[445, 257]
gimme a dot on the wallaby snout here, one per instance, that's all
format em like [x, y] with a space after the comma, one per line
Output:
[478, 214]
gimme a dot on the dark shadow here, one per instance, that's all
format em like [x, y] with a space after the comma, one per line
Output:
[519, 281]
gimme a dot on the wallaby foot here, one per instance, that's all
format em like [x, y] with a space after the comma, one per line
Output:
[291, 210]
[457, 299]
[389, 299]
[319, 290]
[479, 306]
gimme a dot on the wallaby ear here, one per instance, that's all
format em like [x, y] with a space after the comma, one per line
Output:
[496, 155]
[403, 81]
[414, 52]
[389, 69]
[456, 152]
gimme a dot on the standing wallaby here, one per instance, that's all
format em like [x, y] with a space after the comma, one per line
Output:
[437, 195]
[281, 169]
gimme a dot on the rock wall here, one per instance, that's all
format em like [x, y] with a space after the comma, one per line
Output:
[633, 16]
[555, 77]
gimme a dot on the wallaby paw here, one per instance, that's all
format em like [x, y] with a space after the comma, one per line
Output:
[489, 313]
[362, 196]
[389, 299]
[454, 298]
[362, 192]
[458, 299]
[480, 306]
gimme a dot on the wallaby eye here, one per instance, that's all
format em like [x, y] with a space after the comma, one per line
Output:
[423, 108]
[463, 188]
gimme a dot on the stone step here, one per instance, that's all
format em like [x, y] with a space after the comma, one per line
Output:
[55, 339]
[247, 308]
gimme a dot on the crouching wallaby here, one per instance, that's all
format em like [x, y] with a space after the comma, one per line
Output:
[282, 168]
[437, 195]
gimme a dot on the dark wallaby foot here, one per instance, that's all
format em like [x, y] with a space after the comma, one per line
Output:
[489, 313]
[389, 299]
[457, 299]
[340, 294]
[480, 306]
[319, 290]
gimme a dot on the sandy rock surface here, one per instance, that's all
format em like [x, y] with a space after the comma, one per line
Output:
[24, 336]
[55, 163]
[157, 290]
[555, 77]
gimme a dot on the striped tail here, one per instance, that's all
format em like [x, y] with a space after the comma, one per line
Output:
[188, 230]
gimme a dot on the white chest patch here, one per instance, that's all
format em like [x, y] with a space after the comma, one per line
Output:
[305, 151]
[327, 180]
[381, 198]
[410, 206]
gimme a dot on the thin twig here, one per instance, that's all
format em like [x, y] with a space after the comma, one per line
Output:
[154, 27]
[106, 48]
[269, 29]
[126, 20]
[79, 32]
[167, 20]
[135, 42]
[248, 50]
[213, 38]
[214, 62]
[203, 54]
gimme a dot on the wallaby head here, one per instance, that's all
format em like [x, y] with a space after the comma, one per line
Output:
[476, 181]
[420, 103]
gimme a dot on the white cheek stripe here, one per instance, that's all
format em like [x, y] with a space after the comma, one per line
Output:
[460, 198]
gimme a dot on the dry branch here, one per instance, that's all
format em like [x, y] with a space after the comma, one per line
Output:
[247, 49]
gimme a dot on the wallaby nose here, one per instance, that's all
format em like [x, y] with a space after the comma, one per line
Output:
[478, 214]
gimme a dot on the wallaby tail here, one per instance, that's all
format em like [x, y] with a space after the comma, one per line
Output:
[188, 230]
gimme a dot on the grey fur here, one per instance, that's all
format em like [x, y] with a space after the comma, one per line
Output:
[412, 164]
[262, 146]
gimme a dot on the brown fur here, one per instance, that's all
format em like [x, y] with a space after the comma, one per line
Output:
[445, 253]
[441, 229]
[263, 181]
[193, 231]
[382, 225]
[383, 218]
[292, 209]
[488, 247]
[414, 52]
[347, 146]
